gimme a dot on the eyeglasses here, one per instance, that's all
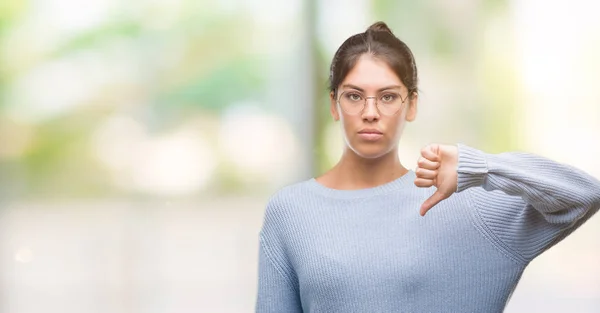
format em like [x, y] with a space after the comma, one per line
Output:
[354, 102]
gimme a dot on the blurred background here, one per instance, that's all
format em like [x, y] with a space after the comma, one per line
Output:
[140, 140]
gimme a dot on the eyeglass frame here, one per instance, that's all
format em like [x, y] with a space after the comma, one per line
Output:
[364, 105]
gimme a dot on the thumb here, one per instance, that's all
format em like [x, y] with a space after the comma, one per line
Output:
[431, 202]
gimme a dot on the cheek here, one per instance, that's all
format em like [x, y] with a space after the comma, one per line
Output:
[394, 123]
[395, 128]
[349, 122]
[397, 125]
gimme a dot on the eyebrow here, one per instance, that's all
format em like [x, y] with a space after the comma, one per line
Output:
[380, 89]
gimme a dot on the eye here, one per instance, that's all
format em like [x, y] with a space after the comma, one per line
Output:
[354, 97]
[390, 97]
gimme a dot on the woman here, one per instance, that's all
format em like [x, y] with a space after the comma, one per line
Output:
[352, 240]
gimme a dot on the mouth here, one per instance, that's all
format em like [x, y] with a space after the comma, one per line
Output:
[370, 134]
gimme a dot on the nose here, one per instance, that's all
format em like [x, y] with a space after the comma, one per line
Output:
[370, 112]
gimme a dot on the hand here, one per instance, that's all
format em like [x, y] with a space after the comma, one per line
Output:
[437, 167]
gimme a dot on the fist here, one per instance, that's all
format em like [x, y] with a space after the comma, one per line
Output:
[437, 167]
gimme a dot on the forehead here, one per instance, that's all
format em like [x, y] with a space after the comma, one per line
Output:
[371, 73]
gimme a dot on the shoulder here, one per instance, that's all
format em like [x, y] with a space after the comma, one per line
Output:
[284, 201]
[289, 194]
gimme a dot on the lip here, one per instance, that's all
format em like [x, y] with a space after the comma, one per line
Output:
[370, 131]
[370, 134]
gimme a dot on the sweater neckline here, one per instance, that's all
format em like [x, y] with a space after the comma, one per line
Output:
[399, 183]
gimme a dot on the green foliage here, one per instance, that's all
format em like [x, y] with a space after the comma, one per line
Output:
[10, 11]
[99, 36]
[240, 79]
[58, 158]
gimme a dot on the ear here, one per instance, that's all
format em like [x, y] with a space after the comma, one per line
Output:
[411, 113]
[333, 107]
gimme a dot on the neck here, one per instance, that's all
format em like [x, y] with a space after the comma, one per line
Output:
[355, 172]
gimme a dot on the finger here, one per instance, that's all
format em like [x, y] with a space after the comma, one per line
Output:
[431, 202]
[427, 164]
[421, 182]
[425, 173]
[430, 152]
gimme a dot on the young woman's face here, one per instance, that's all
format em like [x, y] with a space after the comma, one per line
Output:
[374, 130]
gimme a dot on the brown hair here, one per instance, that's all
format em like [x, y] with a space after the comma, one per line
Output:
[378, 41]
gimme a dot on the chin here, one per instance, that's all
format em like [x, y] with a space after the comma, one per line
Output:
[370, 152]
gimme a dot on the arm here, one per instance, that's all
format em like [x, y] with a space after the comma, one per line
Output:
[277, 282]
[528, 202]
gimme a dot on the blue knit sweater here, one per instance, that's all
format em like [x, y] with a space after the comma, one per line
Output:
[369, 250]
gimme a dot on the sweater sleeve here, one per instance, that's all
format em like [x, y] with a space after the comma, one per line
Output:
[277, 281]
[526, 203]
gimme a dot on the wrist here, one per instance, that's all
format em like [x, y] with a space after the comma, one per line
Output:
[472, 167]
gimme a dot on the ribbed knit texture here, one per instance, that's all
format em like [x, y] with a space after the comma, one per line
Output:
[369, 250]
